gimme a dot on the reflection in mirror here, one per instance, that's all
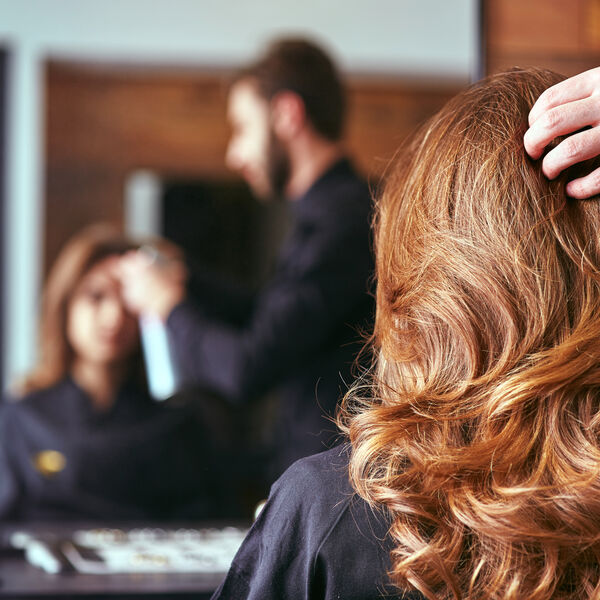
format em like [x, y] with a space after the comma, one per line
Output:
[400, 40]
[134, 134]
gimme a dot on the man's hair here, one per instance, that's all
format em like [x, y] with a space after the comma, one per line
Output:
[480, 432]
[302, 67]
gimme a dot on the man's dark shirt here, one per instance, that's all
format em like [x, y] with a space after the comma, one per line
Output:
[136, 460]
[314, 540]
[303, 333]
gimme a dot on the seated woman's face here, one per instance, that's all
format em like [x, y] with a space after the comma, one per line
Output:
[100, 329]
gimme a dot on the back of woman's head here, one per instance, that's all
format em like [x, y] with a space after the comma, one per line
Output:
[479, 432]
[82, 252]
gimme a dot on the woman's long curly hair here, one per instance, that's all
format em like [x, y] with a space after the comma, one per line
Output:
[479, 429]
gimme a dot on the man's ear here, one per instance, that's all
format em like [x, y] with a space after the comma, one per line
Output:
[288, 114]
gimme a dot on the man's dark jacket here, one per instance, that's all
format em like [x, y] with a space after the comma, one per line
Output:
[305, 327]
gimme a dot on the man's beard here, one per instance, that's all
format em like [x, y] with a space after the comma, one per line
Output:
[278, 168]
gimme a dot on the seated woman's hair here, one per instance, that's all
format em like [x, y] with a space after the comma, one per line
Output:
[81, 252]
[479, 431]
[78, 256]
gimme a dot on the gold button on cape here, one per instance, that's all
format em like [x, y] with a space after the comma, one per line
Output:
[49, 462]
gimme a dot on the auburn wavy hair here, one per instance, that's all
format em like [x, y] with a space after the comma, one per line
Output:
[478, 431]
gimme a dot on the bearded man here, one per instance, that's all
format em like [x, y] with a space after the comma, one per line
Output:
[286, 112]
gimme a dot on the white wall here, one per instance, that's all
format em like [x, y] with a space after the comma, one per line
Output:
[402, 35]
[434, 37]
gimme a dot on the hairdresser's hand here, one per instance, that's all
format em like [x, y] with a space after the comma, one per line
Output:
[150, 287]
[565, 108]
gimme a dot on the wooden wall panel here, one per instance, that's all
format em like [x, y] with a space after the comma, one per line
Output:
[563, 35]
[102, 122]
[383, 113]
[523, 27]
[162, 120]
[591, 25]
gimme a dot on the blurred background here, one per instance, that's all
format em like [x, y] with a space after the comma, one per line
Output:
[116, 112]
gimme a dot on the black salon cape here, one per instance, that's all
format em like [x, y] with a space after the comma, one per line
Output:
[303, 331]
[314, 540]
[136, 461]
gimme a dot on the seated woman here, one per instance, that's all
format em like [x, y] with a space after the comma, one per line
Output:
[473, 469]
[83, 439]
